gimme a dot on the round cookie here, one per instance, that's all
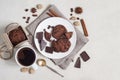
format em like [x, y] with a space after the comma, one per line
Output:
[58, 31]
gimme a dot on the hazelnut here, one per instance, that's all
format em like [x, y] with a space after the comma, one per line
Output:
[73, 18]
[24, 69]
[31, 71]
[76, 23]
[39, 6]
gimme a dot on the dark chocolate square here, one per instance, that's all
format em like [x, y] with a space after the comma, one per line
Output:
[78, 63]
[39, 36]
[49, 49]
[42, 44]
[85, 57]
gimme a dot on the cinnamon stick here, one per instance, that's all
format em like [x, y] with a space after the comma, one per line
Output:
[49, 14]
[84, 27]
[53, 13]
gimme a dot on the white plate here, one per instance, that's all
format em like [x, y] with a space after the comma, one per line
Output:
[53, 21]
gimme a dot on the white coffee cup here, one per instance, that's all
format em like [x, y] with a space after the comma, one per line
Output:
[25, 55]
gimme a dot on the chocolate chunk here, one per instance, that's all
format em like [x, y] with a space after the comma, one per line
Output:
[78, 10]
[84, 56]
[78, 63]
[49, 27]
[42, 44]
[24, 17]
[47, 35]
[28, 18]
[34, 15]
[39, 36]
[33, 10]
[49, 49]
[71, 14]
[26, 10]
[68, 35]
[78, 18]
[71, 9]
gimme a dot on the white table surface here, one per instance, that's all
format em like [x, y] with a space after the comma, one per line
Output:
[102, 19]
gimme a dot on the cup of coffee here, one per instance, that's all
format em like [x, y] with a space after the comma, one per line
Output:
[25, 56]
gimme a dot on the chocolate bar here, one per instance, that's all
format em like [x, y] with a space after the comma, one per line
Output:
[84, 56]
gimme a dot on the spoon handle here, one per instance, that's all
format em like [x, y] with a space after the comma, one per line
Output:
[54, 71]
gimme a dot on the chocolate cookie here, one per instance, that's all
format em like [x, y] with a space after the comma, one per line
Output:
[58, 31]
[61, 45]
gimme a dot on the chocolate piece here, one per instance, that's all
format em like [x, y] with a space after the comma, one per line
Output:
[33, 10]
[71, 9]
[68, 35]
[78, 10]
[58, 31]
[28, 18]
[34, 15]
[24, 17]
[84, 56]
[71, 14]
[49, 26]
[78, 63]
[42, 44]
[49, 49]
[17, 35]
[26, 10]
[47, 35]
[39, 36]
[78, 18]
